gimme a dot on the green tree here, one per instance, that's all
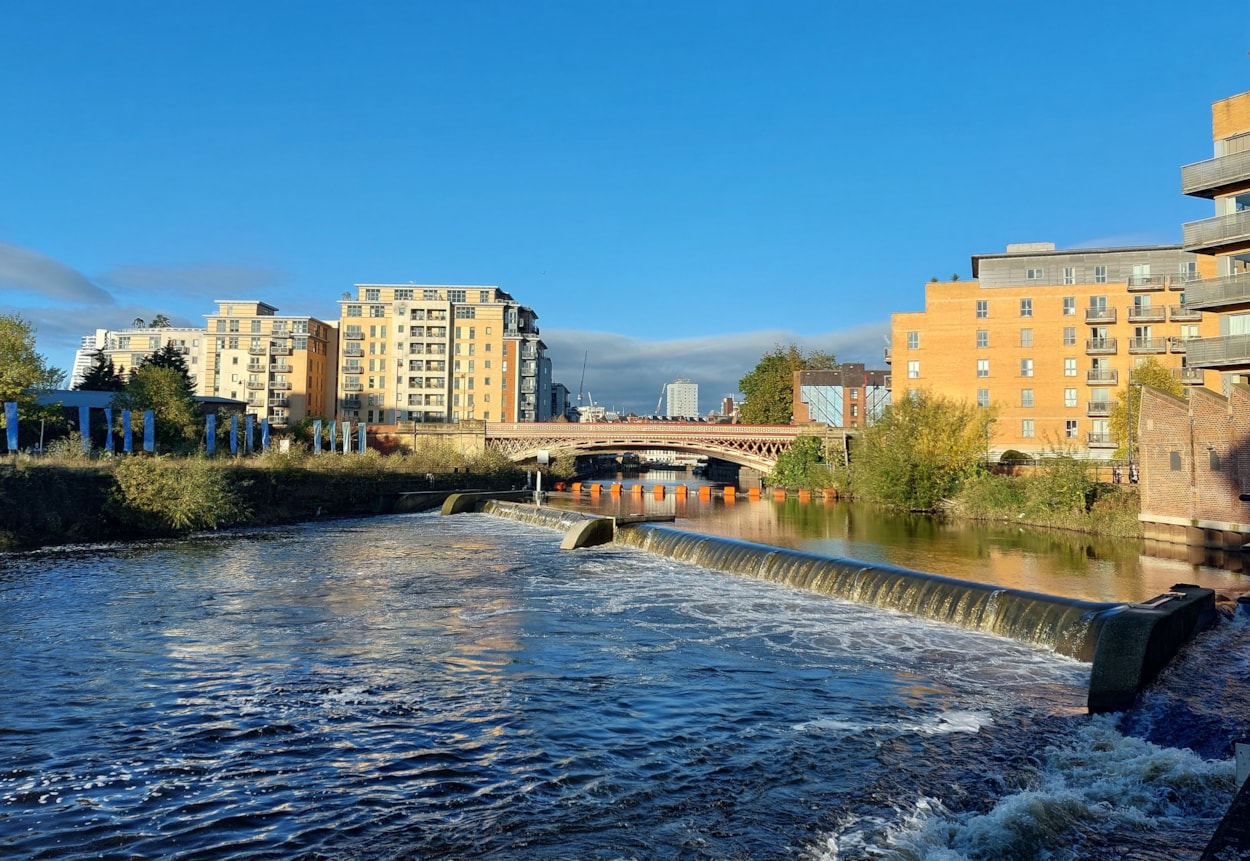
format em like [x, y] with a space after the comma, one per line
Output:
[769, 388]
[24, 373]
[101, 376]
[164, 391]
[160, 321]
[170, 356]
[802, 466]
[920, 451]
[1148, 373]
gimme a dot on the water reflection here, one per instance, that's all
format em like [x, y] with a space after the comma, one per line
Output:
[1050, 561]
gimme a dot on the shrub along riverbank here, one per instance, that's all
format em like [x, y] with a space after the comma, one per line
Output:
[49, 502]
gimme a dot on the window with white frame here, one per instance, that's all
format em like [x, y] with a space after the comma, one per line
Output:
[983, 338]
[1069, 367]
[1069, 306]
[1035, 274]
[983, 397]
[1100, 274]
[1026, 398]
[1069, 336]
[1069, 275]
[1026, 428]
[913, 340]
[1070, 429]
[913, 370]
[1026, 367]
[983, 367]
[1069, 397]
[1026, 307]
[1026, 337]
[983, 309]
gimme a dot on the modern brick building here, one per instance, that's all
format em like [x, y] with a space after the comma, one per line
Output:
[429, 353]
[847, 397]
[1050, 337]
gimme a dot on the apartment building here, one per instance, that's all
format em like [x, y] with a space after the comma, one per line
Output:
[847, 397]
[1195, 454]
[127, 348]
[1049, 337]
[281, 365]
[681, 399]
[439, 353]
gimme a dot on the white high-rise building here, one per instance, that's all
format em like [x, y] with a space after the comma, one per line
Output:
[85, 357]
[682, 397]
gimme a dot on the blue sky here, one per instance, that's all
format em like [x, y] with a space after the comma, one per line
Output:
[674, 187]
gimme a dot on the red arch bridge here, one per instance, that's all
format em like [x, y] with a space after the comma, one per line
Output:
[753, 446]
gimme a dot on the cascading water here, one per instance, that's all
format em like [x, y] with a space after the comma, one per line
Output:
[1067, 625]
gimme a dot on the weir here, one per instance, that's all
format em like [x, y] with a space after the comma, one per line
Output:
[1127, 644]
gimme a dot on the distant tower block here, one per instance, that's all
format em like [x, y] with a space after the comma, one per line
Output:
[683, 399]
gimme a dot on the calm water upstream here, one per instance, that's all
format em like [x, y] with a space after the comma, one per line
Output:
[427, 687]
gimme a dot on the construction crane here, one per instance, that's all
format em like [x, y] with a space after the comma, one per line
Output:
[660, 402]
[582, 381]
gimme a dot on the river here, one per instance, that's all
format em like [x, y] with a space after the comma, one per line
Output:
[419, 686]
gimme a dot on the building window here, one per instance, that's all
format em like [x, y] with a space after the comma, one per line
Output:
[1100, 274]
[1026, 307]
[1069, 336]
[983, 397]
[372, 294]
[854, 410]
[1069, 397]
[456, 295]
[913, 370]
[1026, 398]
[1069, 306]
[1069, 429]
[353, 311]
[983, 338]
[467, 312]
[429, 295]
[913, 340]
[1069, 367]
[983, 309]
[1069, 275]
[1035, 274]
[1026, 367]
[1026, 428]
[1026, 337]
[983, 367]
[403, 294]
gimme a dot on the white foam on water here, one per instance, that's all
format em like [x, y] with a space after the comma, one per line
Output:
[1096, 780]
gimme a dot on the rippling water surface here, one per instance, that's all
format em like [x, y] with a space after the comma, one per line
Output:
[426, 687]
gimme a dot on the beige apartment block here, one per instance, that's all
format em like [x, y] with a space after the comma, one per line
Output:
[1049, 338]
[440, 353]
[127, 348]
[281, 365]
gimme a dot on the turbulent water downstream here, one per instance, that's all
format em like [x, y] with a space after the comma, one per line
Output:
[429, 687]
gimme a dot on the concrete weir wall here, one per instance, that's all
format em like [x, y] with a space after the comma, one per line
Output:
[1127, 644]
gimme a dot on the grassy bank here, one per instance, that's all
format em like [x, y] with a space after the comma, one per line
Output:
[49, 502]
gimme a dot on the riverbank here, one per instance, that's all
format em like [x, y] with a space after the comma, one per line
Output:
[44, 503]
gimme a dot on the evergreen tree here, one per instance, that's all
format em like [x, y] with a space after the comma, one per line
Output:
[769, 388]
[101, 376]
[170, 356]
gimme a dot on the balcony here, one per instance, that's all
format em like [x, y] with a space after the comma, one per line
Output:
[280, 402]
[529, 385]
[352, 369]
[280, 386]
[256, 367]
[353, 335]
[1100, 346]
[1226, 293]
[1099, 439]
[1177, 345]
[1147, 283]
[436, 349]
[888, 360]
[416, 383]
[354, 350]
[1147, 313]
[1182, 282]
[1102, 377]
[258, 351]
[1098, 409]
[1183, 314]
[529, 352]
[1189, 376]
[1217, 235]
[1099, 315]
[436, 332]
[277, 421]
[1216, 176]
[351, 402]
[1142, 346]
[281, 368]
[1227, 352]
[280, 349]
[353, 387]
[256, 385]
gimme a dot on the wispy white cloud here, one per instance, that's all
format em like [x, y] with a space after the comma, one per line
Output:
[30, 274]
[629, 374]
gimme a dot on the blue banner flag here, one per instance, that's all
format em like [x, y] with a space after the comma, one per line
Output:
[264, 434]
[334, 437]
[347, 437]
[10, 423]
[210, 433]
[234, 434]
[149, 431]
[316, 436]
[128, 439]
[249, 422]
[360, 429]
[84, 428]
[108, 429]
